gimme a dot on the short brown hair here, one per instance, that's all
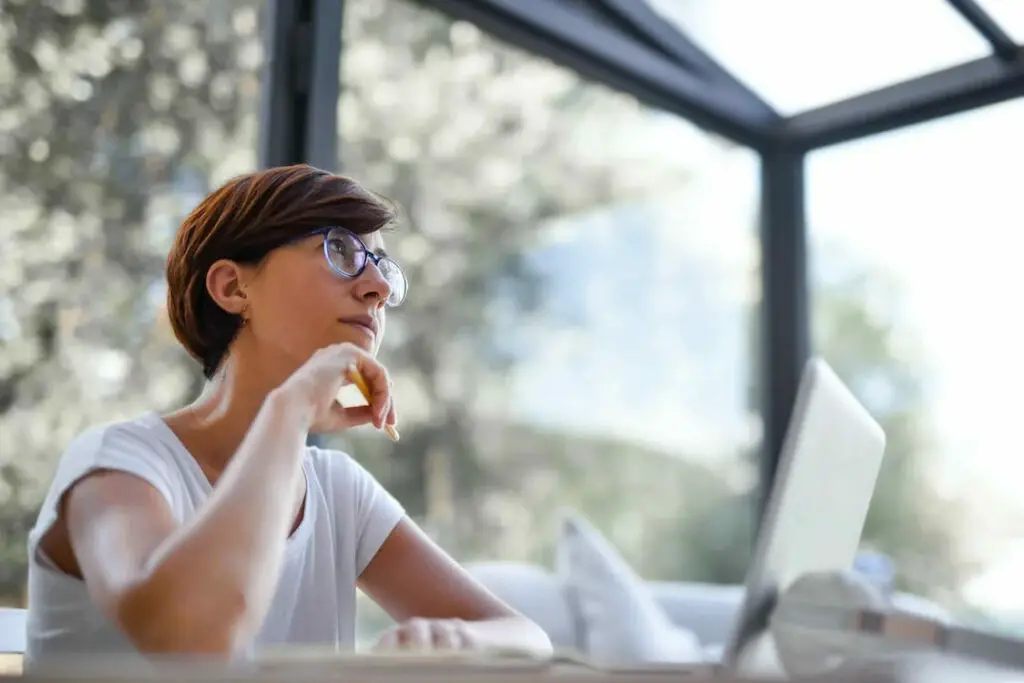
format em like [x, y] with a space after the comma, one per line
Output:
[244, 220]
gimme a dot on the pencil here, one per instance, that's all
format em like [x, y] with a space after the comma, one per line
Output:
[357, 379]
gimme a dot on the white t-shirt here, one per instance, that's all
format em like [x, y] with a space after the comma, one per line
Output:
[347, 517]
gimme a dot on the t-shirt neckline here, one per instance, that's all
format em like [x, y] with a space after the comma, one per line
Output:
[296, 537]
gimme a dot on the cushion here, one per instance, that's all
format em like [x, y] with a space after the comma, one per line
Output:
[709, 610]
[621, 621]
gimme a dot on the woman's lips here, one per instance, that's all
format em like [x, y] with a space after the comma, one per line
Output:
[366, 325]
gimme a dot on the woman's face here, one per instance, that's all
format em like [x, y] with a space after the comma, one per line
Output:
[296, 303]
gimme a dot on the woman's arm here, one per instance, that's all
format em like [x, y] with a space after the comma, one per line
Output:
[438, 603]
[206, 586]
[202, 587]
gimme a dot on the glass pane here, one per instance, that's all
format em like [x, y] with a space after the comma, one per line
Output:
[917, 301]
[1009, 14]
[579, 329]
[799, 54]
[112, 126]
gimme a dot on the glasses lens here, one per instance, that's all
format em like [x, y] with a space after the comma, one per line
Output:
[395, 279]
[346, 252]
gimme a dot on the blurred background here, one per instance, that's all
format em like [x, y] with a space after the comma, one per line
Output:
[585, 325]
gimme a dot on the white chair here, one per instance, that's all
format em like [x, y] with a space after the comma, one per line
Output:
[12, 630]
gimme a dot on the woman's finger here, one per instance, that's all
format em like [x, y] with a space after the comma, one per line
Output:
[446, 635]
[388, 641]
[373, 383]
[340, 418]
[378, 383]
[415, 634]
[392, 416]
[357, 416]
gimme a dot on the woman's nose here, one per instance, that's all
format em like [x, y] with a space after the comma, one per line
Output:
[371, 283]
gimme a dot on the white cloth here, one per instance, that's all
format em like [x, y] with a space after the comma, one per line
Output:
[347, 516]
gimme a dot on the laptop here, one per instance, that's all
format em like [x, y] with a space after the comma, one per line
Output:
[827, 471]
[828, 467]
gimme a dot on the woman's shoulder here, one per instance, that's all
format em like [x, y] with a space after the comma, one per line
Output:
[136, 446]
[141, 429]
[142, 439]
[143, 446]
[343, 478]
[360, 506]
[333, 467]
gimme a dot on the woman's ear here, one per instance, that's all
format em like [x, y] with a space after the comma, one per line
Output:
[225, 285]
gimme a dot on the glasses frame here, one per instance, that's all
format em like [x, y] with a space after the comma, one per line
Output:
[369, 256]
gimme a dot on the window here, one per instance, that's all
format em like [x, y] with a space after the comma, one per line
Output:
[112, 126]
[1009, 15]
[800, 54]
[916, 300]
[584, 294]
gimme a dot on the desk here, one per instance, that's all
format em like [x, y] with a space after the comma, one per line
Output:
[357, 669]
[557, 673]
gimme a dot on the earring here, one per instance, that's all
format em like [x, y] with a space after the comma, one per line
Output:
[245, 321]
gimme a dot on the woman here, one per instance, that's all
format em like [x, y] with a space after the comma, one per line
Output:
[215, 529]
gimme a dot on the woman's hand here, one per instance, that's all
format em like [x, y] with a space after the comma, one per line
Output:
[314, 387]
[429, 634]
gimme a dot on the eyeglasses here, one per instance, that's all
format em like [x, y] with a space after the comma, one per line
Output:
[347, 256]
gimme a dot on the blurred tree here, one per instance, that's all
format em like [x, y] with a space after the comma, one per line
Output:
[115, 117]
[652, 505]
[483, 145]
[118, 116]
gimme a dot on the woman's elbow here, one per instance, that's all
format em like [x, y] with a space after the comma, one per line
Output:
[158, 619]
[539, 641]
[514, 632]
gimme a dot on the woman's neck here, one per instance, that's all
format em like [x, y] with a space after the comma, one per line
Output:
[213, 426]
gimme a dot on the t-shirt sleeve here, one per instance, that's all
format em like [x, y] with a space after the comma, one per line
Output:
[116, 447]
[373, 511]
